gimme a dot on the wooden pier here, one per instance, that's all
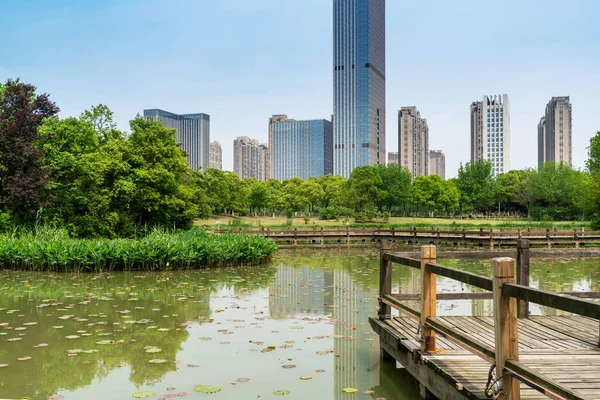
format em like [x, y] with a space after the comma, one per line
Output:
[489, 238]
[501, 357]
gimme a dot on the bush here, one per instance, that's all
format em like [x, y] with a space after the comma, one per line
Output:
[51, 249]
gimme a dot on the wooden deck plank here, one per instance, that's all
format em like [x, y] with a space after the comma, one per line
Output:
[561, 348]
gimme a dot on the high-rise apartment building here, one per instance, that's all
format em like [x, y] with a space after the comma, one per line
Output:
[301, 149]
[249, 158]
[555, 132]
[392, 157]
[437, 163]
[193, 132]
[413, 141]
[216, 155]
[490, 132]
[358, 84]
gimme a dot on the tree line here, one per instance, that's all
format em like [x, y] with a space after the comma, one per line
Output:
[85, 175]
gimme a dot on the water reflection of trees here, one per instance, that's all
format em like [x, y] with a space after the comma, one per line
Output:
[182, 297]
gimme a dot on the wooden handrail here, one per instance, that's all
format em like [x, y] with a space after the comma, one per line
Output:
[554, 300]
[505, 292]
[470, 278]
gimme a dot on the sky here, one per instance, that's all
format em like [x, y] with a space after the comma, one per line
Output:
[242, 61]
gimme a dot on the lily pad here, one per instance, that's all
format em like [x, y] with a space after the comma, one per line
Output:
[207, 389]
[349, 390]
[153, 350]
[157, 361]
[281, 392]
[143, 395]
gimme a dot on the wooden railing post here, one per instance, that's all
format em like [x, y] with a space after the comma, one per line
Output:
[523, 274]
[428, 298]
[505, 326]
[385, 280]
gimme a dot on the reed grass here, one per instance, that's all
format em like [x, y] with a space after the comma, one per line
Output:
[53, 250]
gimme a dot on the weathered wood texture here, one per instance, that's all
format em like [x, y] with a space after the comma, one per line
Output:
[561, 349]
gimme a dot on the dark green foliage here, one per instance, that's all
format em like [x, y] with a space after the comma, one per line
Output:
[23, 180]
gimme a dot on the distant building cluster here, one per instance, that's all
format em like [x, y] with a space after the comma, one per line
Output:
[216, 156]
[251, 159]
[356, 133]
[437, 163]
[392, 157]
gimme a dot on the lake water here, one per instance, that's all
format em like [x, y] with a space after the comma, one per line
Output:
[299, 325]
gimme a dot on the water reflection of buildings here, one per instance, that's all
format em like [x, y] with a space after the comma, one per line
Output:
[300, 291]
[312, 291]
[357, 359]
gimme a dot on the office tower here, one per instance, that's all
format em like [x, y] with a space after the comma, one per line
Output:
[490, 132]
[301, 149]
[216, 155]
[392, 158]
[358, 84]
[555, 132]
[413, 141]
[437, 163]
[248, 158]
[193, 132]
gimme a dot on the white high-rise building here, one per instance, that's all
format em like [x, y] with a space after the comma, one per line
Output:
[490, 132]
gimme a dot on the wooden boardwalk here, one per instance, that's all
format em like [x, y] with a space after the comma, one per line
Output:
[562, 349]
[528, 357]
[491, 238]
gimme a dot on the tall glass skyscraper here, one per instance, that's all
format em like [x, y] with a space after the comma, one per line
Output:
[300, 148]
[358, 84]
[193, 132]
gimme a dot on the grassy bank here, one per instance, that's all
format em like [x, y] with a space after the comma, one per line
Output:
[195, 248]
[396, 222]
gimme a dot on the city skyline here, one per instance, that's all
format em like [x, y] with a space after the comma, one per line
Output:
[123, 75]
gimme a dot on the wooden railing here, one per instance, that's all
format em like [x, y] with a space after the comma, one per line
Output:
[507, 287]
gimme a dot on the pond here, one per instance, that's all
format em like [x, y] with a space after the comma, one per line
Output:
[296, 328]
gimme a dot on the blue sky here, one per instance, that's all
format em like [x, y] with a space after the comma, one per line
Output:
[242, 61]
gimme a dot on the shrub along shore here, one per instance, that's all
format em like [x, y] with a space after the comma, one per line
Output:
[55, 251]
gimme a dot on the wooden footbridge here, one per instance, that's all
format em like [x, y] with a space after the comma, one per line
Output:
[491, 237]
[508, 356]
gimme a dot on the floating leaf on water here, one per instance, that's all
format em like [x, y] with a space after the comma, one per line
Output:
[349, 390]
[367, 392]
[157, 361]
[143, 395]
[72, 337]
[281, 392]
[319, 370]
[56, 397]
[306, 377]
[296, 327]
[153, 350]
[243, 379]
[192, 365]
[103, 342]
[289, 366]
[24, 358]
[3, 365]
[207, 389]
[16, 339]
[205, 338]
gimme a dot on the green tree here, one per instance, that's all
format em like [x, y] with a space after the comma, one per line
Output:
[476, 185]
[363, 189]
[158, 167]
[258, 196]
[507, 187]
[434, 193]
[23, 180]
[395, 185]
[312, 191]
[295, 198]
[332, 186]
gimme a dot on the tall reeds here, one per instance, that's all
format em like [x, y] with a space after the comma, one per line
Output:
[54, 251]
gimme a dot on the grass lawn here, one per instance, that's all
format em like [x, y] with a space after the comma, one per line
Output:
[298, 222]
